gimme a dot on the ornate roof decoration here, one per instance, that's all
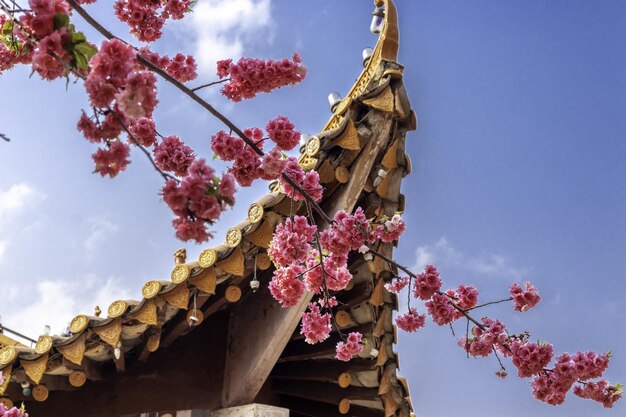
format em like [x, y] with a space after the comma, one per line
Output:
[360, 157]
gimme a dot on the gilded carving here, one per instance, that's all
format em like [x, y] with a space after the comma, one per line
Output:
[75, 351]
[8, 354]
[205, 281]
[207, 258]
[349, 138]
[43, 345]
[312, 146]
[255, 213]
[307, 162]
[151, 289]
[147, 313]
[234, 264]
[117, 308]
[178, 297]
[262, 236]
[79, 323]
[233, 237]
[35, 369]
[180, 273]
[110, 333]
[390, 160]
[383, 102]
[6, 401]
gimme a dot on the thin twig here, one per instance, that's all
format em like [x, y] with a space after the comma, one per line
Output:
[200, 87]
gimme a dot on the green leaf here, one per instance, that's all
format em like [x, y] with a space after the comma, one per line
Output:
[81, 61]
[61, 20]
[86, 49]
[78, 37]
[215, 156]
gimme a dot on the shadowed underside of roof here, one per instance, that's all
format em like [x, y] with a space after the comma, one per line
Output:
[182, 337]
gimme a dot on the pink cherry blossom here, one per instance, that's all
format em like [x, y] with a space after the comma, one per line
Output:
[397, 284]
[601, 391]
[285, 286]
[173, 155]
[272, 165]
[112, 160]
[315, 326]
[391, 230]
[530, 358]
[524, 299]
[144, 131]
[283, 133]
[248, 77]
[467, 296]
[440, 309]
[191, 229]
[349, 348]
[427, 283]
[411, 321]
[290, 243]
[225, 146]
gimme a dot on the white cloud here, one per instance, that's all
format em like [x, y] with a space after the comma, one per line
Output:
[56, 302]
[13, 201]
[100, 230]
[443, 253]
[222, 27]
[14, 198]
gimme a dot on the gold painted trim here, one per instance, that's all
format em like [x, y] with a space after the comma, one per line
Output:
[147, 313]
[262, 236]
[180, 273]
[255, 213]
[207, 258]
[390, 160]
[312, 146]
[349, 138]
[8, 354]
[178, 297]
[43, 345]
[151, 289]
[35, 369]
[233, 237]
[234, 264]
[117, 308]
[75, 351]
[206, 281]
[384, 101]
[79, 323]
[111, 333]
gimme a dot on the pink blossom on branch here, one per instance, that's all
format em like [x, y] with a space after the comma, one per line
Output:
[524, 299]
[315, 326]
[601, 391]
[248, 76]
[397, 284]
[112, 160]
[351, 347]
[173, 155]
[411, 321]
[427, 283]
[283, 133]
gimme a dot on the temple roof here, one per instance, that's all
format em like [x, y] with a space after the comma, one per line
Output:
[359, 155]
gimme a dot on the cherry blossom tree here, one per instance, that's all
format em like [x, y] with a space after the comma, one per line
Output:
[120, 81]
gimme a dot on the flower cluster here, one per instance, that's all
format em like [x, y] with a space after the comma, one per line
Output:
[44, 38]
[182, 67]
[147, 17]
[198, 200]
[490, 335]
[290, 243]
[248, 76]
[602, 392]
[524, 299]
[411, 321]
[350, 348]
[11, 412]
[248, 165]
[315, 325]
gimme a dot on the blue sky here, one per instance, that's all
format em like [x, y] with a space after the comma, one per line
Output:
[517, 174]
